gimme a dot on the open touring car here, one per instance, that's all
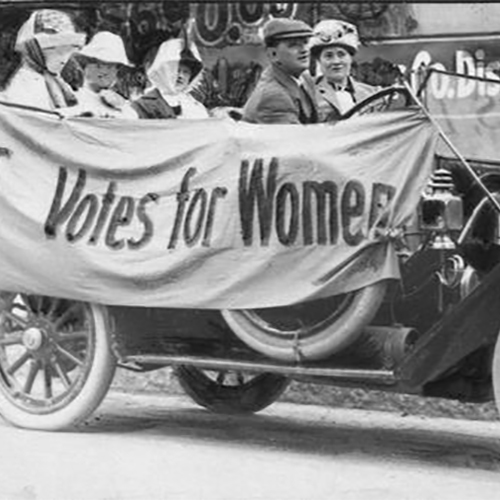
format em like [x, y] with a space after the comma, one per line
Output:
[244, 257]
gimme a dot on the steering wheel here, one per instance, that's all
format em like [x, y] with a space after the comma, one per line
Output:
[387, 99]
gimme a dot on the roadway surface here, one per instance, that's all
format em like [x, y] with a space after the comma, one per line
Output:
[143, 447]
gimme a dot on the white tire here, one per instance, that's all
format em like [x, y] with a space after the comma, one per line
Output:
[56, 362]
[495, 374]
[317, 340]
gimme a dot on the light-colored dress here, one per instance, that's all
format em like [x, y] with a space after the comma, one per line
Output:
[27, 87]
[99, 104]
[190, 108]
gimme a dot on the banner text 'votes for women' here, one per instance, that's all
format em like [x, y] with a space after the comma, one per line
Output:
[204, 214]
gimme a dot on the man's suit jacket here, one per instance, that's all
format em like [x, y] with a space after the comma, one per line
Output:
[326, 98]
[278, 98]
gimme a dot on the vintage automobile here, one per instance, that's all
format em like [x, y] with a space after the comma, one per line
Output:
[433, 333]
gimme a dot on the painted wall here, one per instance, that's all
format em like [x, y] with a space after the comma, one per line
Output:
[228, 35]
[474, 17]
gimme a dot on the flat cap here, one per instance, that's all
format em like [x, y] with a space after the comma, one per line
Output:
[281, 28]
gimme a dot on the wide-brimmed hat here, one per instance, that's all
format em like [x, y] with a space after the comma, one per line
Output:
[282, 28]
[51, 28]
[333, 32]
[105, 47]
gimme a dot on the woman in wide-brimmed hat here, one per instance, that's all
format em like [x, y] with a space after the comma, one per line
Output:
[45, 41]
[101, 60]
[170, 70]
[334, 45]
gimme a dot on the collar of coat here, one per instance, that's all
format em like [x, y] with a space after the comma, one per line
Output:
[291, 83]
[329, 94]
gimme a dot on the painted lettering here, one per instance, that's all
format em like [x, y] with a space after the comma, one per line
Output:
[253, 194]
[86, 217]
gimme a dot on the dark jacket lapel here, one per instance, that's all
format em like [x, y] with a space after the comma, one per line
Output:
[302, 95]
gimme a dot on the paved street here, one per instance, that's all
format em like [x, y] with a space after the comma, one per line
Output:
[151, 447]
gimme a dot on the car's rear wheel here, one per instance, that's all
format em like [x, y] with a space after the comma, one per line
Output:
[56, 362]
[231, 391]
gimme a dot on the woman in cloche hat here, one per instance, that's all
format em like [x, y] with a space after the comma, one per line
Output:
[101, 61]
[45, 42]
[334, 45]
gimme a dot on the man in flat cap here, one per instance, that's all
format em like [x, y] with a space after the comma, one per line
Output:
[283, 94]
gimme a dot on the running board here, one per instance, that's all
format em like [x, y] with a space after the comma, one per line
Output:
[385, 377]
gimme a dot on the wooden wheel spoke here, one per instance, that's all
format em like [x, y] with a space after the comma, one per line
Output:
[68, 355]
[62, 374]
[20, 362]
[72, 336]
[13, 338]
[25, 304]
[240, 378]
[221, 377]
[47, 381]
[30, 379]
[16, 319]
[67, 314]
[38, 303]
[53, 306]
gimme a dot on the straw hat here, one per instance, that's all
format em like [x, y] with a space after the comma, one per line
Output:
[51, 28]
[106, 47]
[333, 32]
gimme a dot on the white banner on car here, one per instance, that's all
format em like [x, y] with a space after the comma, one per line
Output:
[205, 214]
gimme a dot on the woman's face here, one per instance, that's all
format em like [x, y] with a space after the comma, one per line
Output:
[100, 75]
[57, 57]
[183, 77]
[335, 63]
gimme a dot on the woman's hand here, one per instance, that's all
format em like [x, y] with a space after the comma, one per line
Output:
[227, 112]
[81, 112]
[112, 99]
[73, 111]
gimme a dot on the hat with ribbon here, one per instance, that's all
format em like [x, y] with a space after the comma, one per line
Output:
[333, 32]
[51, 28]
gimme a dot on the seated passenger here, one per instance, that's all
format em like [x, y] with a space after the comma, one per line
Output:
[283, 94]
[101, 60]
[170, 70]
[45, 41]
[334, 45]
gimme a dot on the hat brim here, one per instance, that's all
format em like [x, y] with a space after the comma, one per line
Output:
[291, 34]
[315, 51]
[88, 58]
[47, 41]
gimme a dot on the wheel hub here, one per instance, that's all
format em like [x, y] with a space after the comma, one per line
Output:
[33, 338]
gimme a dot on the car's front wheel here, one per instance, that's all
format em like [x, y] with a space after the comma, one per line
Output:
[56, 362]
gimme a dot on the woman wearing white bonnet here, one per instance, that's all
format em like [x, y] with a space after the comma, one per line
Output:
[101, 60]
[334, 45]
[45, 41]
[171, 72]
